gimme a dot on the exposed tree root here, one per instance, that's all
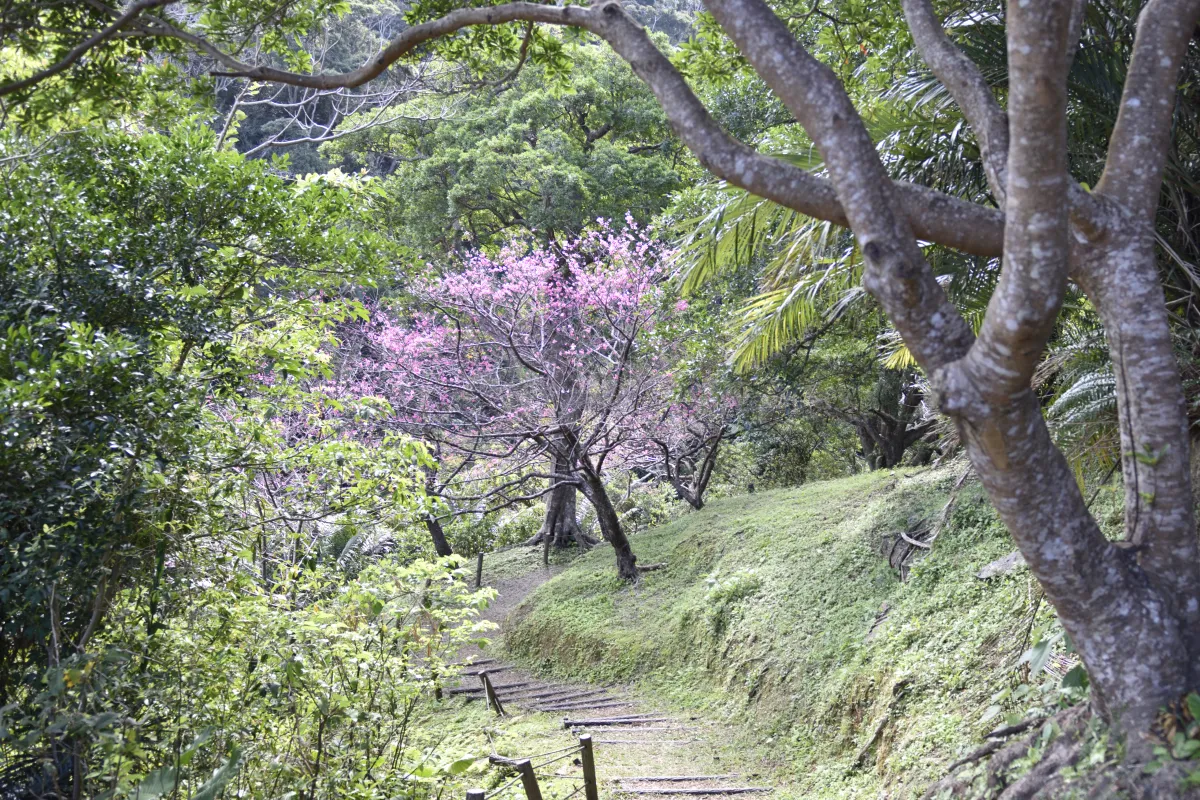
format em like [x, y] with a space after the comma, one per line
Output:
[574, 535]
[1046, 778]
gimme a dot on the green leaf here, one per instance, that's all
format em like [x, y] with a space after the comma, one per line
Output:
[1193, 705]
[1037, 655]
[1077, 678]
[1151, 457]
[463, 764]
[159, 782]
[220, 777]
[991, 713]
[187, 755]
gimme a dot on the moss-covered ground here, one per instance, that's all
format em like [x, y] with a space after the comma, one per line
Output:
[762, 620]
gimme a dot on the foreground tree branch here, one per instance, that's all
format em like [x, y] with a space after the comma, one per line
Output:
[73, 55]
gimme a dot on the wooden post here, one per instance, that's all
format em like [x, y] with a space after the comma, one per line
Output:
[590, 789]
[529, 780]
[476, 794]
[479, 570]
[493, 700]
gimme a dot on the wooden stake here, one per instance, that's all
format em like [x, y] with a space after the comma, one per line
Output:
[476, 794]
[493, 699]
[477, 689]
[570, 723]
[591, 788]
[479, 570]
[529, 780]
[679, 778]
[725, 790]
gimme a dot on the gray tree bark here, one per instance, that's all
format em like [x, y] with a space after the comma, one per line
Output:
[441, 545]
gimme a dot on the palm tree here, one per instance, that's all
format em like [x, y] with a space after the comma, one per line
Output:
[809, 272]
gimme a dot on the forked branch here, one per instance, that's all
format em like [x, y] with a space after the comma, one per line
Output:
[1025, 304]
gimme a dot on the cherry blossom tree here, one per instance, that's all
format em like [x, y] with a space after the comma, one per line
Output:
[680, 441]
[528, 367]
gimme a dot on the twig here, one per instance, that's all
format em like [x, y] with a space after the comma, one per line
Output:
[987, 750]
[1012, 730]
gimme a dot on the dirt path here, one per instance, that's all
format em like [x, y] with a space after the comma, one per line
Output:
[640, 750]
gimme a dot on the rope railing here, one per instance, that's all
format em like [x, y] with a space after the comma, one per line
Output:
[527, 777]
[578, 789]
[574, 748]
[559, 758]
[499, 789]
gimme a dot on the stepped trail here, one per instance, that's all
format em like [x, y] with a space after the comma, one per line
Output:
[640, 750]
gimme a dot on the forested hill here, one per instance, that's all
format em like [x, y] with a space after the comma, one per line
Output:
[784, 613]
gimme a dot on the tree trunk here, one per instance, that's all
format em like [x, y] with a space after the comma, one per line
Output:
[690, 487]
[610, 525]
[440, 545]
[684, 492]
[561, 521]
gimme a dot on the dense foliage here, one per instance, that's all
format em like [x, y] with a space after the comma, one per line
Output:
[268, 356]
[165, 310]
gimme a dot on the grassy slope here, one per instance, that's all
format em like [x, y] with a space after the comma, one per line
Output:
[762, 617]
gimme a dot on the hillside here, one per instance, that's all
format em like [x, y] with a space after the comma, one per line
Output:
[764, 613]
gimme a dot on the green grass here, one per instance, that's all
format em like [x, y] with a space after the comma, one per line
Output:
[761, 618]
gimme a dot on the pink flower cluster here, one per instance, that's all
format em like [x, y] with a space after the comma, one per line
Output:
[525, 344]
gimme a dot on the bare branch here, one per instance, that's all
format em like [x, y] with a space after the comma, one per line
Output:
[399, 47]
[934, 216]
[1026, 301]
